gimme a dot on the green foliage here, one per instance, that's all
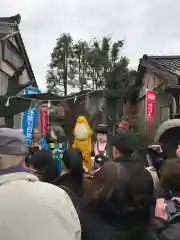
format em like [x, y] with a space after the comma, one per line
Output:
[60, 66]
[146, 137]
[94, 65]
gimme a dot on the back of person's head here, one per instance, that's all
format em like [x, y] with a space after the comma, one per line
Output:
[138, 201]
[170, 175]
[105, 182]
[45, 165]
[130, 193]
[13, 148]
[73, 161]
[135, 158]
[142, 185]
[72, 178]
[127, 145]
[124, 192]
[122, 195]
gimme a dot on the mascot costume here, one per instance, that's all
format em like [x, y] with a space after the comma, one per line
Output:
[82, 141]
[100, 147]
[57, 142]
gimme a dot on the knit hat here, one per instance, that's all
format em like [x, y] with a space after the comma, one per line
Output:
[12, 142]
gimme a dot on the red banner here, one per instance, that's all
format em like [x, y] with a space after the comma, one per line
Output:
[44, 119]
[150, 107]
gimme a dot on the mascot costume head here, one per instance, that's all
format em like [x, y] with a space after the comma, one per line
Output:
[57, 142]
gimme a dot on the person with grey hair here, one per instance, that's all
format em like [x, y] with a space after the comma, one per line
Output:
[31, 209]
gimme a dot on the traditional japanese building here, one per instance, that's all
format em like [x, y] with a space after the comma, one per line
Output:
[161, 74]
[14, 64]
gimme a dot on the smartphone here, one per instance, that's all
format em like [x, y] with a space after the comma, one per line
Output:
[171, 207]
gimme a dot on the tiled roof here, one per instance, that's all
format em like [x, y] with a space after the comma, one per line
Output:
[13, 19]
[16, 20]
[167, 63]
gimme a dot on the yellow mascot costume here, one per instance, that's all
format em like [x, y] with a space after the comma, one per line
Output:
[82, 135]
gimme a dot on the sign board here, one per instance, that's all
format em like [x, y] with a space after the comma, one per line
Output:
[30, 118]
[44, 119]
[150, 108]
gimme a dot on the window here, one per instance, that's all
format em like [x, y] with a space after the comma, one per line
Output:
[11, 55]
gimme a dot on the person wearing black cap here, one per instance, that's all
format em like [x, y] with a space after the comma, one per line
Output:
[126, 144]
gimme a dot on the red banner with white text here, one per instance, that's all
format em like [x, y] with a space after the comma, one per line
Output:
[150, 108]
[44, 119]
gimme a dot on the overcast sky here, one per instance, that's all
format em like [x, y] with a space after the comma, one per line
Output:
[150, 27]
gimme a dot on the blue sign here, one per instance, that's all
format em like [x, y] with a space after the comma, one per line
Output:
[30, 118]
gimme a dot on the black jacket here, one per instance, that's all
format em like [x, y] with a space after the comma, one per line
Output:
[108, 220]
[102, 221]
[71, 183]
[165, 230]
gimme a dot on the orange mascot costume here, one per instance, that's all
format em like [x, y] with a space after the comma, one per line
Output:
[82, 135]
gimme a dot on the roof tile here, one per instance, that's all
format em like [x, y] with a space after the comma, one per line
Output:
[168, 63]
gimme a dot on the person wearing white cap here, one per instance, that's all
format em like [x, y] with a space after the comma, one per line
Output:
[30, 209]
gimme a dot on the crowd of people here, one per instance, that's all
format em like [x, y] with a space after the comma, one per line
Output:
[125, 199]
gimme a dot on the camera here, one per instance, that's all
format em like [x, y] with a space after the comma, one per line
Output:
[100, 159]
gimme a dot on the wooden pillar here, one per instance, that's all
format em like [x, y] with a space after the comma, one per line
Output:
[112, 97]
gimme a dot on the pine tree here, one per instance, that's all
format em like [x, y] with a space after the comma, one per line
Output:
[61, 65]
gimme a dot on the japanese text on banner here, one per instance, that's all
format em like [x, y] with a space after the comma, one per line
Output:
[30, 118]
[150, 106]
[44, 119]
